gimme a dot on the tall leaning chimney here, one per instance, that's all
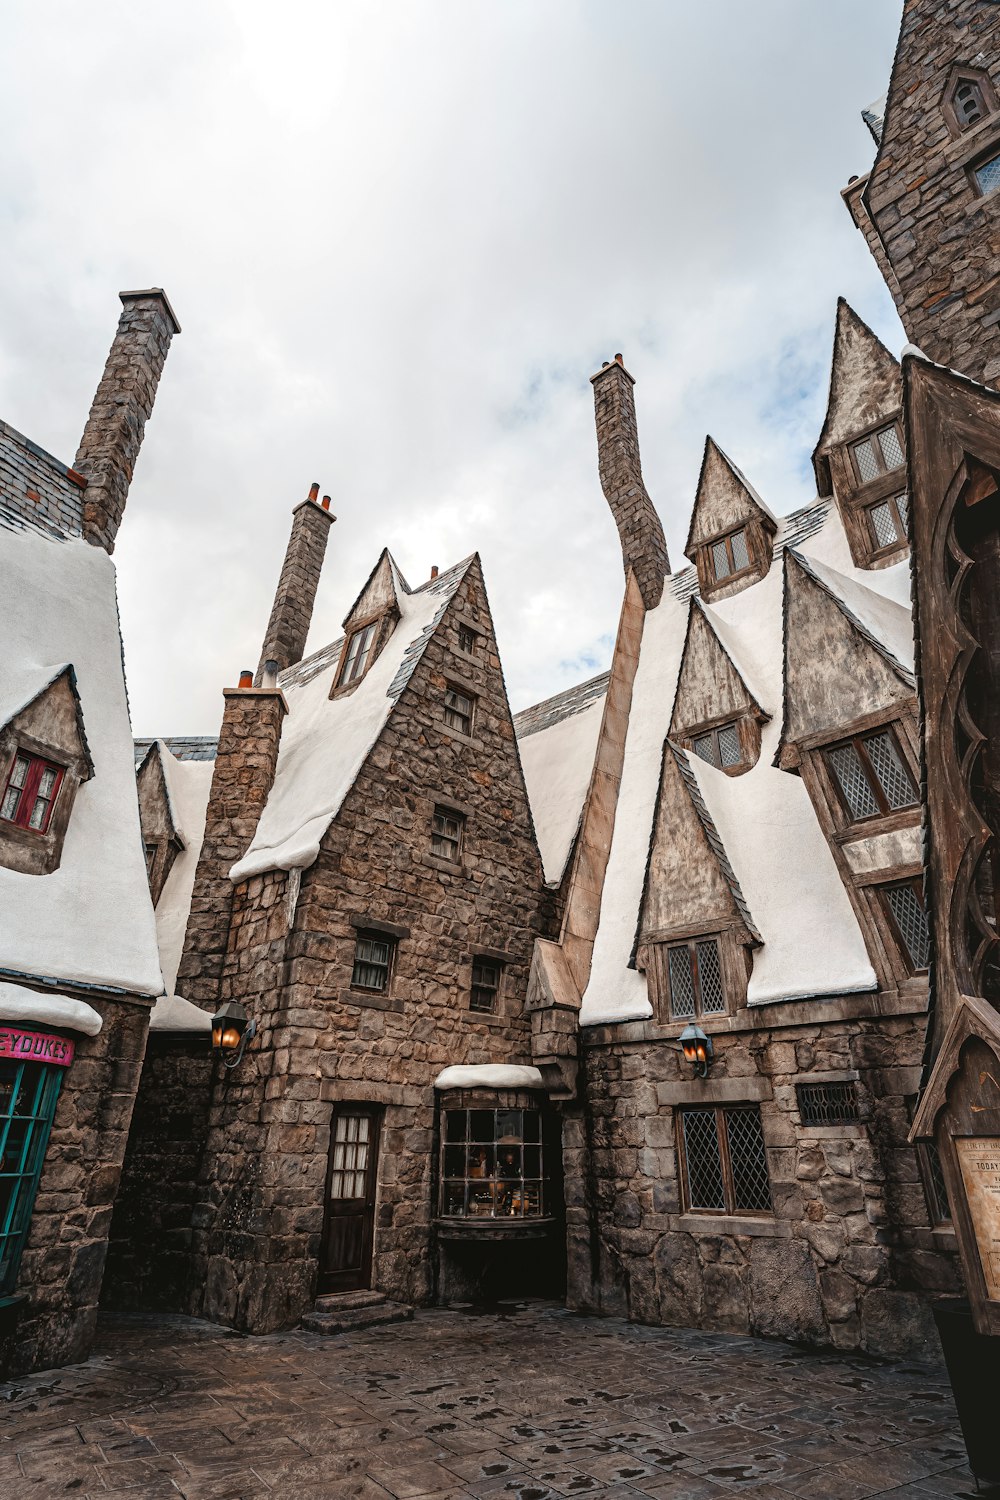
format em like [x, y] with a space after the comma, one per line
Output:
[124, 399]
[644, 547]
[288, 627]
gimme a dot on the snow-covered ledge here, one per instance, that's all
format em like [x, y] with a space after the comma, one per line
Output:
[17, 1003]
[489, 1076]
[174, 1013]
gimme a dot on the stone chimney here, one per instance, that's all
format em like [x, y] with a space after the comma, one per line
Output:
[644, 547]
[241, 780]
[124, 399]
[288, 627]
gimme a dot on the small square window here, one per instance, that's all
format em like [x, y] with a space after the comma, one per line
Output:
[720, 747]
[987, 175]
[881, 453]
[871, 775]
[730, 554]
[447, 834]
[359, 652]
[486, 977]
[373, 954]
[459, 710]
[467, 639]
[30, 794]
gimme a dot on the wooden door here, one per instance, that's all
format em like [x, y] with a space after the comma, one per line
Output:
[349, 1219]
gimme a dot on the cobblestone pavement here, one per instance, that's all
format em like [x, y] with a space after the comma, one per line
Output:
[529, 1402]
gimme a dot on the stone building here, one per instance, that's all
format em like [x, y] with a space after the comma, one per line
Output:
[79, 970]
[476, 945]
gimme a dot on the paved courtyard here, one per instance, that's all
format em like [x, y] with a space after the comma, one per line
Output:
[531, 1402]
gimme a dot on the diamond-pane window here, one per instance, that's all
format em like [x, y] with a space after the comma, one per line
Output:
[937, 1191]
[880, 453]
[723, 1160]
[720, 747]
[864, 455]
[884, 524]
[372, 961]
[741, 555]
[695, 979]
[704, 747]
[681, 983]
[720, 560]
[872, 775]
[827, 1103]
[710, 978]
[903, 506]
[988, 175]
[892, 448]
[905, 903]
[853, 782]
[703, 1163]
[730, 751]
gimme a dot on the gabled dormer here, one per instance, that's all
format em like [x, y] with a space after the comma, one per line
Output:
[716, 713]
[732, 531]
[695, 930]
[162, 839]
[859, 458]
[370, 622]
[43, 759]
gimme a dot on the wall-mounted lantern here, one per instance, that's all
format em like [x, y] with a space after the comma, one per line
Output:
[232, 1031]
[697, 1049]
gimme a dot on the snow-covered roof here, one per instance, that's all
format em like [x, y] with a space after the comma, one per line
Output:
[29, 1007]
[188, 783]
[812, 944]
[874, 117]
[557, 742]
[90, 922]
[325, 741]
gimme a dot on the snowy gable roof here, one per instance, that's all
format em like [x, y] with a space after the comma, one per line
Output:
[188, 784]
[89, 922]
[325, 741]
[381, 591]
[712, 680]
[557, 742]
[874, 118]
[22, 688]
[764, 823]
[724, 498]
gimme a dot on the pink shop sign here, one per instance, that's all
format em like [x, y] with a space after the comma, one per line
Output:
[35, 1046]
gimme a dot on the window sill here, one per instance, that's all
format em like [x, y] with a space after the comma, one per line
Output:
[448, 866]
[471, 740]
[702, 1223]
[493, 1229]
[370, 1000]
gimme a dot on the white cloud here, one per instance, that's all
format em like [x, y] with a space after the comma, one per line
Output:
[400, 237]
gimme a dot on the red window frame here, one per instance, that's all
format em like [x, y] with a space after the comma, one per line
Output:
[28, 791]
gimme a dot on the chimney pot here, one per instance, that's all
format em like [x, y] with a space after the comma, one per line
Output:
[606, 364]
[246, 679]
[434, 570]
[269, 676]
[314, 491]
[619, 359]
[326, 502]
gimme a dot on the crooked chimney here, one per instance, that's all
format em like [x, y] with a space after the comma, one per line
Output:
[291, 613]
[124, 399]
[644, 547]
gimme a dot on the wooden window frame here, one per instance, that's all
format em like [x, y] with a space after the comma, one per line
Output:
[691, 945]
[879, 549]
[374, 935]
[468, 639]
[444, 812]
[350, 673]
[856, 741]
[872, 436]
[975, 166]
[465, 729]
[730, 1211]
[499, 1198]
[881, 893]
[495, 991]
[727, 539]
[713, 733]
[982, 83]
[28, 791]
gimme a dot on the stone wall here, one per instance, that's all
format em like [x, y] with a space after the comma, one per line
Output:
[290, 960]
[63, 1261]
[149, 1252]
[848, 1257]
[938, 240]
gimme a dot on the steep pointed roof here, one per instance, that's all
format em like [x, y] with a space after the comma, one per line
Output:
[22, 688]
[382, 589]
[325, 741]
[865, 384]
[723, 499]
[713, 838]
[702, 695]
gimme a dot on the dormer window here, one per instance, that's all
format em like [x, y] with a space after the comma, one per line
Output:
[720, 747]
[887, 522]
[871, 775]
[879, 453]
[359, 650]
[730, 554]
[30, 793]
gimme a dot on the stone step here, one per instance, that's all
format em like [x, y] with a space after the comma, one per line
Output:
[352, 1319]
[341, 1301]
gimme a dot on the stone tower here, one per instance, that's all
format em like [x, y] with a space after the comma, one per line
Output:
[930, 206]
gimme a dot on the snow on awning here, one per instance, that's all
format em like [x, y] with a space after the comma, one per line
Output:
[174, 1013]
[489, 1076]
[23, 1005]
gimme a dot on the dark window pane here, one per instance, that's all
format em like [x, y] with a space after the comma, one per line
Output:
[940, 1207]
[455, 1121]
[704, 1167]
[454, 1161]
[482, 1125]
[532, 1161]
[751, 1187]
[509, 1124]
[532, 1122]
[827, 1103]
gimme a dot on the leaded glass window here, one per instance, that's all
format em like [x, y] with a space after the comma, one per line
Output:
[372, 961]
[871, 775]
[905, 904]
[28, 1094]
[492, 1164]
[695, 979]
[828, 1103]
[937, 1191]
[730, 554]
[987, 175]
[723, 1160]
[720, 747]
[879, 453]
[887, 522]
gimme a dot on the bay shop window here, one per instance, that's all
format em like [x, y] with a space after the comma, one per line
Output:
[493, 1165]
[28, 1094]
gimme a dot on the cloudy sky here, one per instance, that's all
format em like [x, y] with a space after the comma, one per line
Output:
[399, 236]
